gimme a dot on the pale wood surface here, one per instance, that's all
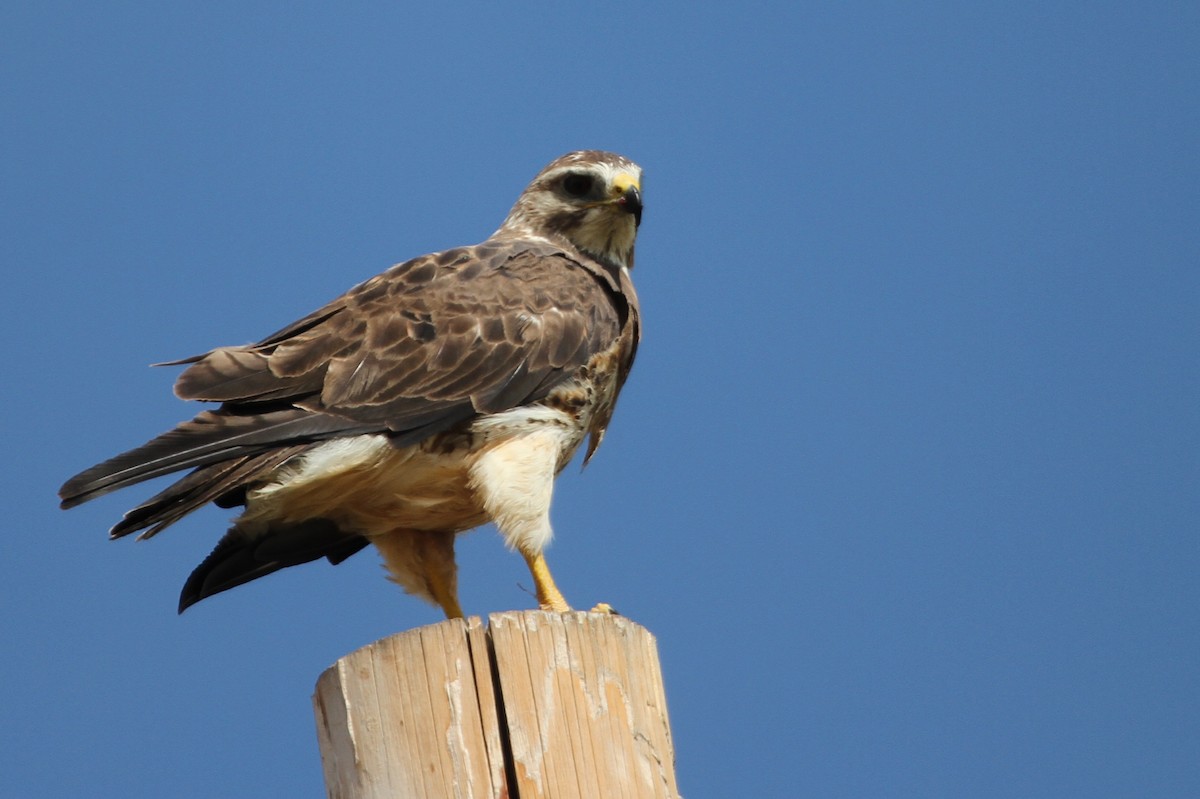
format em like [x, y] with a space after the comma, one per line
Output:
[534, 705]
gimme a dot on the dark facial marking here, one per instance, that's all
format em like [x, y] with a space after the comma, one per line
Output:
[578, 184]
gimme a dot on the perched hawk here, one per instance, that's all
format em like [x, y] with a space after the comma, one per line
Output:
[445, 393]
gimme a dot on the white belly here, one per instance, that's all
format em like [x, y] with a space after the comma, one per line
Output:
[365, 485]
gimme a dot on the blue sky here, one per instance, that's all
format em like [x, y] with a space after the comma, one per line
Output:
[907, 476]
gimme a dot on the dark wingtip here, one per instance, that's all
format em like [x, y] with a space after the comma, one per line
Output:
[187, 598]
[239, 558]
[234, 556]
[73, 492]
[103, 478]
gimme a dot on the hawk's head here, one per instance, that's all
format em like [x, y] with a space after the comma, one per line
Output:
[591, 198]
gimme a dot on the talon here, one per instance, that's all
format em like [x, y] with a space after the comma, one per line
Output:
[606, 609]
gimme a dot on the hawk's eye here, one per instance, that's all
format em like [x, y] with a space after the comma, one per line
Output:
[577, 184]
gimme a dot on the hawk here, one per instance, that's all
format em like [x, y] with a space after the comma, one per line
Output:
[444, 393]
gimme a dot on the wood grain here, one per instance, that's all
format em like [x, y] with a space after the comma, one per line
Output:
[533, 705]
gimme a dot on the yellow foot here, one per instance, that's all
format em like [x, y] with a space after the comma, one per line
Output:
[548, 596]
[606, 609]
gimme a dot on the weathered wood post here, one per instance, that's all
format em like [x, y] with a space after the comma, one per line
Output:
[564, 706]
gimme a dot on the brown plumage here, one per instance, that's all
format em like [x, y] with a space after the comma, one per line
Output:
[444, 393]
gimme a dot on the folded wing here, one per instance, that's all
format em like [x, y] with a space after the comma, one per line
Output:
[412, 352]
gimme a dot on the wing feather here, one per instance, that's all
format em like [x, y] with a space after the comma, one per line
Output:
[411, 352]
[406, 334]
[211, 437]
[206, 484]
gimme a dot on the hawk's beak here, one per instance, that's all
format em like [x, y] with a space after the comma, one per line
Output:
[631, 201]
[629, 196]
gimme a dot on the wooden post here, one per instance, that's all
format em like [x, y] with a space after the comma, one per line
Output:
[564, 706]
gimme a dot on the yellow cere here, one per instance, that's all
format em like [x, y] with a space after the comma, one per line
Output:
[623, 182]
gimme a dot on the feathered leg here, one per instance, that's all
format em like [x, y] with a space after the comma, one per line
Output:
[515, 480]
[422, 562]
